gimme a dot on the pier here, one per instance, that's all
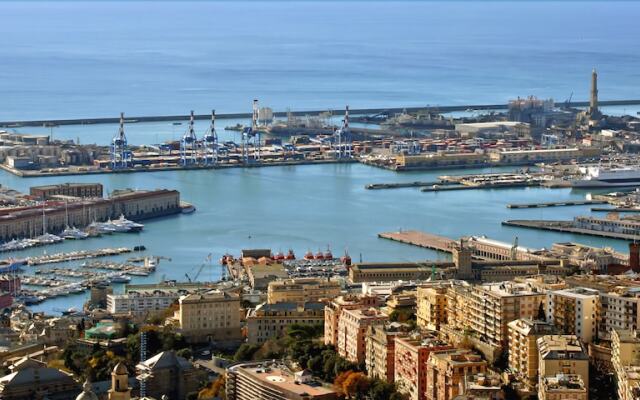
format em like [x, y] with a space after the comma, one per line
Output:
[616, 209]
[400, 185]
[282, 114]
[420, 239]
[566, 227]
[557, 204]
[76, 255]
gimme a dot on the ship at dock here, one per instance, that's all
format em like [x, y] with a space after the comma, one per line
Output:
[594, 177]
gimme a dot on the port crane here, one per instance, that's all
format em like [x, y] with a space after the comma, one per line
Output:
[189, 145]
[342, 138]
[195, 277]
[210, 143]
[120, 154]
[251, 135]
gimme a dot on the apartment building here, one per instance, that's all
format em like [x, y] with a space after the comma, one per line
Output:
[458, 301]
[562, 354]
[523, 347]
[447, 370]
[619, 309]
[352, 329]
[380, 350]
[140, 302]
[301, 290]
[431, 307]
[575, 312]
[493, 305]
[625, 357]
[268, 321]
[411, 355]
[563, 387]
[210, 316]
[334, 309]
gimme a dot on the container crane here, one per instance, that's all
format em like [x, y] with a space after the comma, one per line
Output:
[210, 143]
[120, 153]
[189, 145]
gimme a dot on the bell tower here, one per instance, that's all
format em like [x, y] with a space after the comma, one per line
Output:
[120, 389]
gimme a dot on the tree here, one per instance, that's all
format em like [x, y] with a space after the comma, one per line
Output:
[245, 352]
[381, 390]
[184, 353]
[315, 365]
[541, 314]
[356, 385]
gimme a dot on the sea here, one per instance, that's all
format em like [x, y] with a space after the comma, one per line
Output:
[76, 59]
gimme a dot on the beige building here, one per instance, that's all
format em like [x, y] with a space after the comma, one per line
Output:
[625, 357]
[211, 316]
[260, 275]
[380, 350]
[300, 290]
[334, 309]
[494, 305]
[447, 370]
[431, 307]
[170, 375]
[120, 389]
[563, 387]
[619, 309]
[575, 312]
[458, 303]
[411, 356]
[523, 348]
[386, 272]
[352, 329]
[562, 354]
[268, 321]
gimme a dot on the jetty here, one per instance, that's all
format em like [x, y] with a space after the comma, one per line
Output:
[616, 209]
[399, 185]
[76, 255]
[557, 204]
[420, 239]
[566, 227]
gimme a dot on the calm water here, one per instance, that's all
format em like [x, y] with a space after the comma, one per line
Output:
[81, 59]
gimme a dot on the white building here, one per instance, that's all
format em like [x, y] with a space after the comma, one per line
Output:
[138, 302]
[575, 312]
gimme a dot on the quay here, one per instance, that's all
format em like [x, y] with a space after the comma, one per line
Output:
[567, 227]
[557, 204]
[616, 209]
[244, 115]
[76, 255]
[420, 239]
[399, 185]
[438, 188]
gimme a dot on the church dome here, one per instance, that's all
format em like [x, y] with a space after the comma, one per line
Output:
[120, 369]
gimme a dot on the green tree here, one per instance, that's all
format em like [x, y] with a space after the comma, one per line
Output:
[245, 352]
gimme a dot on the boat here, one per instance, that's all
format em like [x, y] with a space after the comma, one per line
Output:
[120, 279]
[290, 255]
[48, 238]
[130, 226]
[318, 256]
[73, 234]
[187, 209]
[608, 177]
[101, 227]
[308, 255]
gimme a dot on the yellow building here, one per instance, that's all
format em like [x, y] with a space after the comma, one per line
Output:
[523, 348]
[619, 309]
[625, 357]
[494, 305]
[438, 160]
[431, 307]
[352, 329]
[210, 316]
[458, 301]
[380, 351]
[269, 321]
[562, 354]
[301, 290]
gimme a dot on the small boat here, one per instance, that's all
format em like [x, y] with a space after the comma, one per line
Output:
[290, 255]
[188, 209]
[48, 238]
[308, 255]
[74, 234]
[120, 279]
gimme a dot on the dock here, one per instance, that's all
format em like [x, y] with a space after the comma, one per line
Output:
[76, 255]
[420, 239]
[616, 209]
[399, 185]
[557, 204]
[566, 227]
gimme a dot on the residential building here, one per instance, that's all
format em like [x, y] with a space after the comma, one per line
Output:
[38, 383]
[271, 381]
[484, 385]
[447, 371]
[494, 305]
[211, 316]
[301, 290]
[171, 375]
[352, 328]
[261, 274]
[431, 307]
[380, 350]
[563, 387]
[333, 310]
[574, 311]
[411, 356]
[141, 302]
[458, 303]
[625, 357]
[619, 309]
[523, 347]
[562, 354]
[268, 321]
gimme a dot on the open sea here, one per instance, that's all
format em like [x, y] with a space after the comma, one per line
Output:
[94, 59]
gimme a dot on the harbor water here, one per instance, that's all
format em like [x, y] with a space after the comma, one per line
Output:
[310, 207]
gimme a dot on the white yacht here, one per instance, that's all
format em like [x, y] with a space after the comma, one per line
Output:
[73, 234]
[608, 177]
[130, 226]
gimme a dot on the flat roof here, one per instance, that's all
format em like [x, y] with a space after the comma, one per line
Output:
[276, 377]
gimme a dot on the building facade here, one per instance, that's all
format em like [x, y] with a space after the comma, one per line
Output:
[575, 312]
[269, 321]
[562, 354]
[333, 310]
[211, 316]
[301, 290]
[447, 370]
[352, 329]
[523, 348]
